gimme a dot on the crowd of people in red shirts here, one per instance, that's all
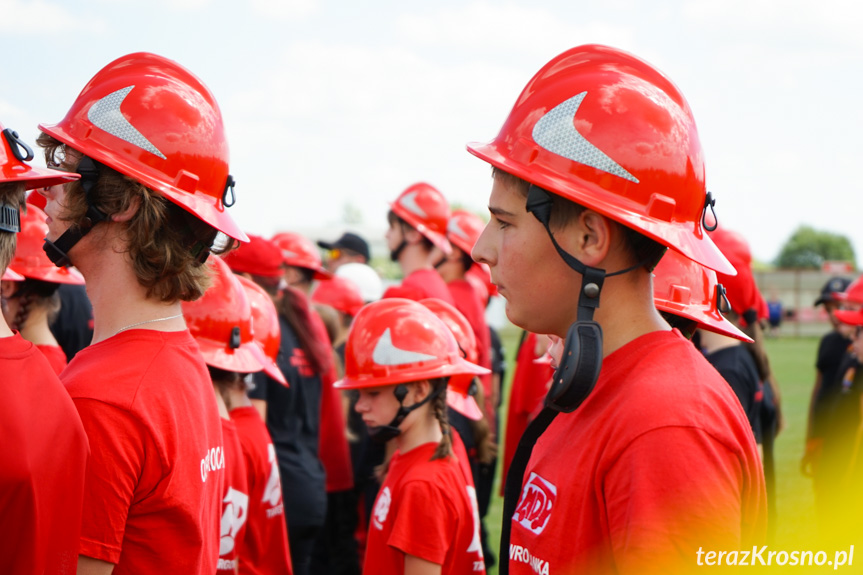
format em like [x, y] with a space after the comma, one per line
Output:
[187, 397]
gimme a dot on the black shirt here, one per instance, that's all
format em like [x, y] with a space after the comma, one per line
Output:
[831, 352]
[293, 418]
[737, 366]
[73, 326]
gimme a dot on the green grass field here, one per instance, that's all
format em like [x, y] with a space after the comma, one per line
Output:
[793, 362]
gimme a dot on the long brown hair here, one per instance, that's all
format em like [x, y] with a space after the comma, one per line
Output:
[439, 407]
[294, 307]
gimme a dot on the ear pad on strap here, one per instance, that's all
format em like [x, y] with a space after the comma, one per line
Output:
[579, 367]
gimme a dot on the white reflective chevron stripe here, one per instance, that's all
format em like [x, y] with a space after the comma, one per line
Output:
[409, 201]
[106, 115]
[386, 353]
[453, 228]
[556, 133]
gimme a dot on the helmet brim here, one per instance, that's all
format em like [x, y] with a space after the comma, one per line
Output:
[694, 244]
[458, 367]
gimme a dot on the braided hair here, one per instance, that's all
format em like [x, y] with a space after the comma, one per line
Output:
[439, 407]
[32, 292]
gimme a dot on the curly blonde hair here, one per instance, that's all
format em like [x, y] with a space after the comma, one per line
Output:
[165, 242]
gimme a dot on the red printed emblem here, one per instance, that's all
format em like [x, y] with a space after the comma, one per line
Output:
[537, 501]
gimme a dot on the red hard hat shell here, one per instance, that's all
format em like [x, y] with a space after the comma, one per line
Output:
[851, 317]
[464, 229]
[301, 252]
[265, 327]
[30, 260]
[10, 276]
[396, 340]
[424, 208]
[685, 288]
[341, 294]
[854, 292]
[153, 120]
[213, 318]
[259, 257]
[610, 132]
[458, 396]
[13, 169]
[741, 289]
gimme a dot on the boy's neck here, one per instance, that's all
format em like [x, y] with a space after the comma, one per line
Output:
[413, 258]
[119, 301]
[627, 311]
[36, 329]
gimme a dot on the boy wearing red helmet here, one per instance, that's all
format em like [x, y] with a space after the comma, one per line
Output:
[418, 221]
[44, 447]
[147, 138]
[597, 170]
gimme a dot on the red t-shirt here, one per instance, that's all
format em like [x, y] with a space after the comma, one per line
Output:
[55, 356]
[235, 504]
[421, 284]
[154, 481]
[264, 548]
[423, 509]
[658, 462]
[44, 453]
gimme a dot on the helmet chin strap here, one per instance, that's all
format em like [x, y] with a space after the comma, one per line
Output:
[58, 251]
[383, 433]
[581, 361]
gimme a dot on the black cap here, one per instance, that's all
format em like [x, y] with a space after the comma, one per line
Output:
[831, 288]
[348, 241]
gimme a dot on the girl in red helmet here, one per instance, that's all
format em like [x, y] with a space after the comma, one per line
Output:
[30, 305]
[399, 356]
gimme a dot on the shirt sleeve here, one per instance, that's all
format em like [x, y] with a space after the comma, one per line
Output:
[673, 491]
[425, 522]
[118, 452]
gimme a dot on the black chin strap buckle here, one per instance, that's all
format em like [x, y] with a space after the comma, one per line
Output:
[16, 144]
[10, 218]
[709, 204]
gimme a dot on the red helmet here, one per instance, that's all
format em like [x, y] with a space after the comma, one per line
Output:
[396, 340]
[854, 292]
[221, 323]
[464, 229]
[259, 257]
[610, 132]
[424, 208]
[11, 276]
[851, 317]
[461, 400]
[265, 327]
[151, 119]
[300, 252]
[688, 289]
[30, 259]
[341, 294]
[13, 155]
[743, 293]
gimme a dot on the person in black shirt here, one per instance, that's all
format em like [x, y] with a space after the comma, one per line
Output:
[831, 364]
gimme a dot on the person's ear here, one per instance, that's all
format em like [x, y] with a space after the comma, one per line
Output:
[593, 235]
[129, 212]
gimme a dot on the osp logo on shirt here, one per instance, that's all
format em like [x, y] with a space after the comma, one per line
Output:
[382, 508]
[536, 503]
[273, 489]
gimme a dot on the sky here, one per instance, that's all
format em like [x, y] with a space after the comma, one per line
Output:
[336, 106]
